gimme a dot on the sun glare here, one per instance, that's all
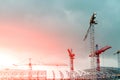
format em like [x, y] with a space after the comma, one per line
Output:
[6, 59]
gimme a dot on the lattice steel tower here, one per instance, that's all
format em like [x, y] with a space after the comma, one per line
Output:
[92, 42]
[118, 57]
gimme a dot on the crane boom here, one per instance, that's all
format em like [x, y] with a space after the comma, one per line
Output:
[97, 52]
[71, 54]
[92, 21]
[86, 33]
[97, 55]
[103, 49]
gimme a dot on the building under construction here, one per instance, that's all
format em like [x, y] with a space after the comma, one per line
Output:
[106, 73]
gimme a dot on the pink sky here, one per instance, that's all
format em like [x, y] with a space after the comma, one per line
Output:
[44, 30]
[28, 42]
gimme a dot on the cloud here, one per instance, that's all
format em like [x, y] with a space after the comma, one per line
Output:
[64, 23]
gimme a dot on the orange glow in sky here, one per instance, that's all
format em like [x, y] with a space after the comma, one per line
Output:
[6, 59]
[44, 30]
[24, 43]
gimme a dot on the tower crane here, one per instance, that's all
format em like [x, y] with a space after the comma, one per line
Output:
[118, 57]
[71, 55]
[30, 68]
[97, 55]
[92, 40]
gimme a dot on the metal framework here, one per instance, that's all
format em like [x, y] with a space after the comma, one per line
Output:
[71, 55]
[13, 74]
[97, 54]
[118, 57]
[22, 75]
[92, 41]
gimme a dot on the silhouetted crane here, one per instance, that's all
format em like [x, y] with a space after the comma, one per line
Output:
[118, 57]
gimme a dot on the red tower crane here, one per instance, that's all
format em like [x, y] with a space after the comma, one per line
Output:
[97, 55]
[71, 55]
[30, 69]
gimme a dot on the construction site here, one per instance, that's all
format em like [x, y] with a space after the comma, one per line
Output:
[67, 72]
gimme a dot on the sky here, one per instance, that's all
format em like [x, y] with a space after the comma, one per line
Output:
[44, 29]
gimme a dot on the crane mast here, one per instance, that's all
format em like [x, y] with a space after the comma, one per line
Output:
[92, 42]
[30, 69]
[118, 57]
[71, 55]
